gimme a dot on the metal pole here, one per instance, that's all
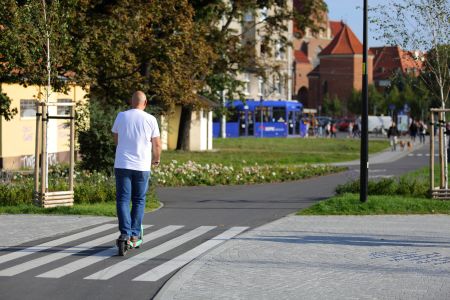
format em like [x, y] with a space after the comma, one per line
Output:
[49, 71]
[261, 127]
[37, 152]
[364, 166]
[224, 117]
[432, 152]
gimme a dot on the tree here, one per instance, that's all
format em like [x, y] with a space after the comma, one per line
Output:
[5, 106]
[25, 26]
[236, 50]
[421, 26]
[377, 104]
[154, 46]
[332, 106]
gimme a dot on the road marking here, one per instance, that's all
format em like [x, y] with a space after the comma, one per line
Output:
[26, 266]
[105, 254]
[181, 260]
[54, 243]
[149, 254]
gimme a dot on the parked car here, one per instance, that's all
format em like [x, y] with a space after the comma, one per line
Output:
[342, 125]
[323, 120]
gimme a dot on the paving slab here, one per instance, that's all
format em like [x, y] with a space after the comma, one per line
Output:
[325, 257]
[18, 229]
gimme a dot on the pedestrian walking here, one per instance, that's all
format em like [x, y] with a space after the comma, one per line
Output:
[422, 131]
[413, 130]
[138, 147]
[333, 130]
[392, 135]
[350, 129]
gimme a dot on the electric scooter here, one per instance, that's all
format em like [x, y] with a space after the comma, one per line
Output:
[124, 244]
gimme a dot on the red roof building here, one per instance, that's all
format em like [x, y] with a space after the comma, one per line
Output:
[391, 60]
[307, 46]
[340, 69]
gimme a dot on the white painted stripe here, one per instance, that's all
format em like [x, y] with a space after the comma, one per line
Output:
[54, 243]
[419, 154]
[105, 254]
[14, 270]
[149, 254]
[181, 260]
[410, 154]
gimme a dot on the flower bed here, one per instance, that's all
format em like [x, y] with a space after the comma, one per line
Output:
[191, 173]
[94, 187]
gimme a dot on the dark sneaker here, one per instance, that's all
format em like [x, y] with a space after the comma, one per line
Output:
[123, 237]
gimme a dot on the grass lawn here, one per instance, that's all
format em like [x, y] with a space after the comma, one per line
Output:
[276, 151]
[349, 204]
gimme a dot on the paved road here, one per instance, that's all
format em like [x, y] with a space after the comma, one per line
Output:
[83, 263]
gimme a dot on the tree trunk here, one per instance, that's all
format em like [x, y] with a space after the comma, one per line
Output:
[183, 130]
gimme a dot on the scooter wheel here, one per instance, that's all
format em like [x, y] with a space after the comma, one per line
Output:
[123, 247]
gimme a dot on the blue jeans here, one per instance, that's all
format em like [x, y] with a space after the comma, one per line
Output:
[131, 184]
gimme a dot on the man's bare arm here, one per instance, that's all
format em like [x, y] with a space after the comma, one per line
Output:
[116, 138]
[156, 150]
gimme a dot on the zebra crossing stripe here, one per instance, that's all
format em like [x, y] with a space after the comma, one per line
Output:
[54, 243]
[181, 260]
[17, 269]
[149, 254]
[105, 254]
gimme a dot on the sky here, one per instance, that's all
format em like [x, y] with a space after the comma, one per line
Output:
[351, 12]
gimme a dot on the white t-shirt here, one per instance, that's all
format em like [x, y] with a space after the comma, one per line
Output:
[135, 129]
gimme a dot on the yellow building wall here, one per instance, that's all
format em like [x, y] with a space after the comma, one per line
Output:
[17, 145]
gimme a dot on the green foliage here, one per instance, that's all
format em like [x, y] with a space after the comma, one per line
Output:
[89, 188]
[405, 186]
[23, 41]
[153, 46]
[332, 106]
[5, 106]
[96, 141]
[377, 103]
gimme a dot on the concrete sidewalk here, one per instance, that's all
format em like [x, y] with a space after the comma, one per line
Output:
[326, 257]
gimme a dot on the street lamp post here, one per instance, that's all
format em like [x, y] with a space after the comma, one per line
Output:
[364, 166]
[261, 126]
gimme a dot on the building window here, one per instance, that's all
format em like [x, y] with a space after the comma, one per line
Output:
[263, 13]
[279, 52]
[263, 50]
[325, 87]
[27, 108]
[276, 84]
[304, 48]
[260, 86]
[63, 110]
[246, 81]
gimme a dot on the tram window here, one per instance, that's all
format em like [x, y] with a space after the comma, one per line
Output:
[279, 114]
[233, 115]
[266, 114]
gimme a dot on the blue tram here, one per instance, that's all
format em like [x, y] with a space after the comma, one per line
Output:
[269, 118]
